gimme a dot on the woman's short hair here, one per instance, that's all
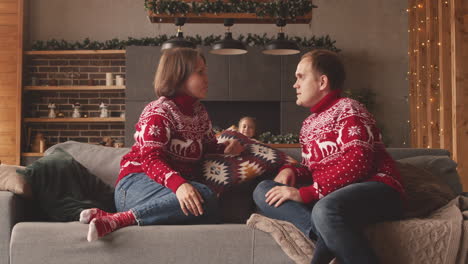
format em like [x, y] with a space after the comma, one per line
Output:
[175, 67]
[325, 62]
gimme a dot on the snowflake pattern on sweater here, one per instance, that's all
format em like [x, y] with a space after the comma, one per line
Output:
[171, 137]
[341, 145]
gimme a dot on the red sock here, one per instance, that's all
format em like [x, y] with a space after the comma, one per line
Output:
[89, 214]
[100, 226]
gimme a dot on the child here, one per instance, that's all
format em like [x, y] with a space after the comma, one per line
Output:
[247, 126]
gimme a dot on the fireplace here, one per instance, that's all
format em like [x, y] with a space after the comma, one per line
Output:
[223, 114]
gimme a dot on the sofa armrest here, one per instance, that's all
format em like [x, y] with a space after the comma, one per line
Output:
[11, 212]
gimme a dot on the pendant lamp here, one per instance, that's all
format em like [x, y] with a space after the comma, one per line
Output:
[179, 41]
[281, 46]
[228, 46]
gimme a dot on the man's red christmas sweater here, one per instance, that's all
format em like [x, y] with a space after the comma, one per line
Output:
[341, 145]
[171, 137]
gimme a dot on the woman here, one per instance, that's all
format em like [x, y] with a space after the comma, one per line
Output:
[158, 180]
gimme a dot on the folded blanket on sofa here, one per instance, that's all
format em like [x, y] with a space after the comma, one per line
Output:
[440, 238]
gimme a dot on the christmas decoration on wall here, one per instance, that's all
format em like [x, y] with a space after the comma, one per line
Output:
[314, 42]
[269, 138]
[76, 110]
[104, 112]
[273, 8]
[51, 107]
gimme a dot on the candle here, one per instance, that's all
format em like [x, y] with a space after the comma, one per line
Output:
[109, 79]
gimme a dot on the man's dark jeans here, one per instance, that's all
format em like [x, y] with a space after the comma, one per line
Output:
[337, 221]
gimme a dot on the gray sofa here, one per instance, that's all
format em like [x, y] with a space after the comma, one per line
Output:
[46, 242]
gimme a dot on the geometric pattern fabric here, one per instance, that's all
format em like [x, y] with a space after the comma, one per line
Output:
[222, 172]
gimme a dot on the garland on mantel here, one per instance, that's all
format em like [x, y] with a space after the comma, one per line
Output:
[323, 42]
[274, 8]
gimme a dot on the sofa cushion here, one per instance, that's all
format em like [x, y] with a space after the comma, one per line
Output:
[181, 244]
[236, 204]
[12, 181]
[104, 162]
[443, 167]
[222, 172]
[425, 192]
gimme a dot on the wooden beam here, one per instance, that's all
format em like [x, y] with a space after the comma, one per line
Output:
[459, 48]
[73, 88]
[239, 18]
[74, 120]
[432, 85]
[73, 52]
[421, 74]
[11, 46]
[445, 77]
[412, 78]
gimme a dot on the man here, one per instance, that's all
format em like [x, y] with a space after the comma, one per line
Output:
[346, 180]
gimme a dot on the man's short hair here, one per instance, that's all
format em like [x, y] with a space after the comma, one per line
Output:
[325, 62]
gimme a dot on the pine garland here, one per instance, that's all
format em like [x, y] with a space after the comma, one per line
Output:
[269, 138]
[323, 42]
[275, 8]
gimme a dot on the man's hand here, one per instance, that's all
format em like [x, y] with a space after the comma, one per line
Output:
[279, 194]
[233, 147]
[287, 177]
[190, 199]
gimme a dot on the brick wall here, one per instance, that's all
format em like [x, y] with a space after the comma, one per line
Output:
[74, 70]
[81, 67]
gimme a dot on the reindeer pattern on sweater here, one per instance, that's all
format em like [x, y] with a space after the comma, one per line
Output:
[342, 145]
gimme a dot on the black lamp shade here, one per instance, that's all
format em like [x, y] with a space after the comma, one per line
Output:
[281, 46]
[228, 46]
[178, 42]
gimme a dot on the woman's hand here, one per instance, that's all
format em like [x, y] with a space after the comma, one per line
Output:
[287, 177]
[190, 199]
[233, 147]
[279, 194]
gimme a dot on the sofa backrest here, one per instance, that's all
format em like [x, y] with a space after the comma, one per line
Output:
[396, 153]
[436, 161]
[104, 162]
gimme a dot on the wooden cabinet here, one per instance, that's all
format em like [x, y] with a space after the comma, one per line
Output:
[288, 76]
[255, 76]
[218, 76]
[141, 65]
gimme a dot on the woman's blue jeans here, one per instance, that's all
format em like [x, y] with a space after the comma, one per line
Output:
[152, 203]
[337, 221]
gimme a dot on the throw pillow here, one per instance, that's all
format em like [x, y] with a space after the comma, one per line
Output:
[443, 167]
[222, 172]
[425, 192]
[12, 181]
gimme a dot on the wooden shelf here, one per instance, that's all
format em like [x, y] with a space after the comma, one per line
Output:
[74, 120]
[32, 154]
[239, 18]
[74, 52]
[73, 88]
